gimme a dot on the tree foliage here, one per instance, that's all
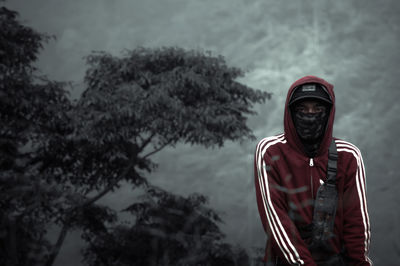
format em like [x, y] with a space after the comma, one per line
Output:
[168, 230]
[59, 157]
[171, 94]
[31, 112]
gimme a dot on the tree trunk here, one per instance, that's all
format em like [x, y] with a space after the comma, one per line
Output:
[12, 242]
[57, 247]
[65, 228]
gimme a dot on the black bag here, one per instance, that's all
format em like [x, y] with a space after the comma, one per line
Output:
[320, 231]
[325, 206]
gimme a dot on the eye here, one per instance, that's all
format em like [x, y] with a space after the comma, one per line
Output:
[300, 108]
[320, 108]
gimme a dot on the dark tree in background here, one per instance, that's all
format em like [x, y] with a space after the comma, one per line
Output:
[59, 157]
[168, 230]
[33, 113]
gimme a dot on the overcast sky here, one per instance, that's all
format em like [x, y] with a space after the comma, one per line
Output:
[352, 44]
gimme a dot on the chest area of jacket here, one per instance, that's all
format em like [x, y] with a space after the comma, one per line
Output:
[301, 177]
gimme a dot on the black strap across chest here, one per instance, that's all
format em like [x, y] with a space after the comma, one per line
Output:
[325, 205]
[332, 163]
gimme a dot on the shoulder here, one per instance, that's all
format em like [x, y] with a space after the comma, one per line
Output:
[345, 146]
[348, 151]
[269, 143]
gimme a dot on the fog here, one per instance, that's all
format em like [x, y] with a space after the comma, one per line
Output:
[352, 44]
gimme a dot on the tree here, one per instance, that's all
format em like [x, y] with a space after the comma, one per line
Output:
[59, 157]
[136, 105]
[32, 109]
[168, 230]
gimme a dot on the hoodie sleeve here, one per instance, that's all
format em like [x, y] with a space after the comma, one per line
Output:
[356, 227]
[283, 235]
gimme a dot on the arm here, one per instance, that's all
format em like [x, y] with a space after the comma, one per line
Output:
[273, 209]
[356, 230]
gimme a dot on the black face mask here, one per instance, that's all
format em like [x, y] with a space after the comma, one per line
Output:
[310, 128]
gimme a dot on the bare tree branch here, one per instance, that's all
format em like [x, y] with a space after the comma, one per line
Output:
[109, 187]
[158, 149]
[146, 142]
[57, 246]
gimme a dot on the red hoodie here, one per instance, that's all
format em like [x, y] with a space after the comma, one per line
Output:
[287, 182]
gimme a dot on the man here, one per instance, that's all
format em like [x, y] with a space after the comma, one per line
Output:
[290, 168]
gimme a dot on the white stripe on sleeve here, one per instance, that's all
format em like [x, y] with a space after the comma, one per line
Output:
[361, 188]
[274, 222]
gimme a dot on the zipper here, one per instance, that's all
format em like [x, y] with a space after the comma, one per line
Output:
[311, 178]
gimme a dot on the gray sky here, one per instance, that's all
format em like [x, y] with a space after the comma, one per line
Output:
[352, 44]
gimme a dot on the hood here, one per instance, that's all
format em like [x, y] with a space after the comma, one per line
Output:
[290, 130]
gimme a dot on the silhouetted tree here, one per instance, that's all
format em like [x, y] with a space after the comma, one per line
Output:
[58, 157]
[168, 230]
[32, 112]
